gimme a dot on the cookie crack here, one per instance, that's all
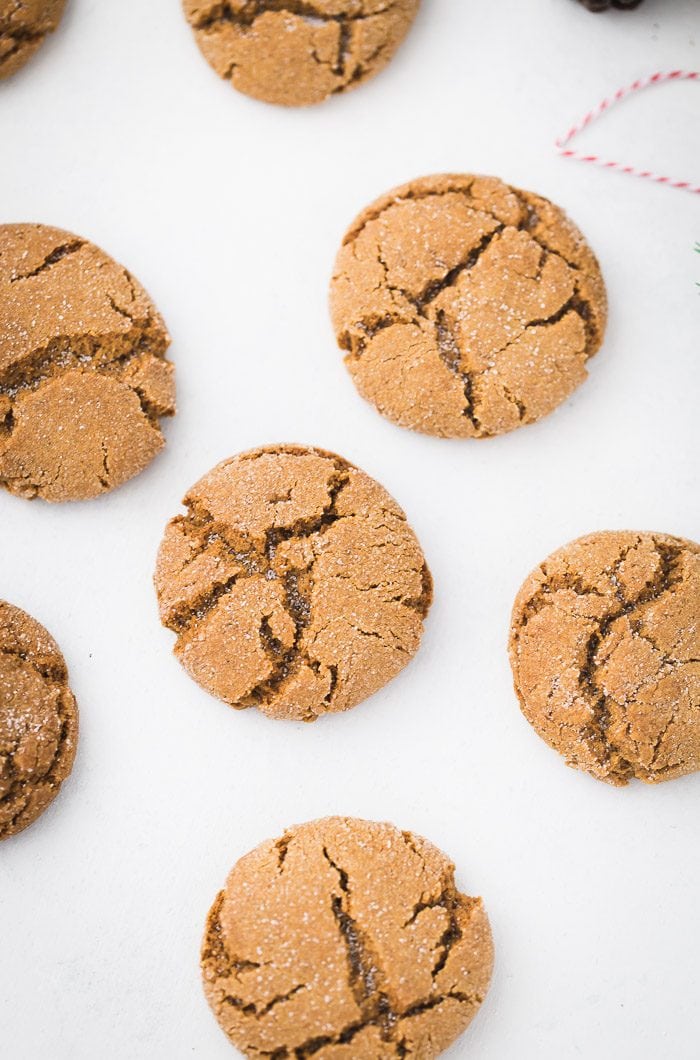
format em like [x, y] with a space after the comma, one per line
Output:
[182, 620]
[447, 345]
[516, 402]
[106, 355]
[21, 788]
[408, 195]
[56, 255]
[550, 587]
[19, 36]
[608, 754]
[575, 304]
[360, 70]
[344, 38]
[419, 1007]
[295, 601]
[296, 583]
[51, 671]
[249, 1009]
[441, 901]
[70, 353]
[448, 348]
[451, 354]
[364, 975]
[282, 847]
[527, 224]
[530, 221]
[436, 287]
[251, 11]
[214, 952]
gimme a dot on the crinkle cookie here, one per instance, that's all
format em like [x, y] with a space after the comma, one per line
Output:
[605, 650]
[83, 375]
[465, 307]
[297, 52]
[38, 720]
[345, 940]
[293, 582]
[24, 25]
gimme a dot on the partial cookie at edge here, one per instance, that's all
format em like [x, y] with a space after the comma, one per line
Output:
[345, 939]
[23, 28]
[38, 720]
[297, 53]
[605, 651]
[84, 380]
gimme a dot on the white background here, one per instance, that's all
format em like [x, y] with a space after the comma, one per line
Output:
[230, 212]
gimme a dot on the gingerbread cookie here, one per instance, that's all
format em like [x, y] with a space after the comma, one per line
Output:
[297, 52]
[83, 375]
[24, 25]
[294, 583]
[38, 720]
[345, 938]
[605, 650]
[466, 308]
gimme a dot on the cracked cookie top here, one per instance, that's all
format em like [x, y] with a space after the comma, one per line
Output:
[297, 52]
[466, 308]
[294, 583]
[83, 375]
[23, 26]
[345, 938]
[38, 720]
[605, 650]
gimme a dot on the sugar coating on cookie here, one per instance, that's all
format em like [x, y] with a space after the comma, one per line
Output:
[466, 307]
[293, 582]
[605, 651]
[38, 720]
[298, 52]
[24, 25]
[83, 375]
[345, 939]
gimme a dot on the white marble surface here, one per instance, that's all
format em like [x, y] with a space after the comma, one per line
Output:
[230, 212]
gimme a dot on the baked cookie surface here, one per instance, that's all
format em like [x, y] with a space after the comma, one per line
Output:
[83, 375]
[24, 25]
[294, 583]
[38, 720]
[605, 651]
[345, 939]
[298, 52]
[466, 307]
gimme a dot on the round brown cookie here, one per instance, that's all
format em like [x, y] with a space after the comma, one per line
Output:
[467, 308]
[23, 26]
[294, 583]
[605, 650]
[38, 720]
[83, 374]
[345, 938]
[297, 52]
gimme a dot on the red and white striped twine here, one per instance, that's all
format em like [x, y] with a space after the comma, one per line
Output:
[643, 82]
